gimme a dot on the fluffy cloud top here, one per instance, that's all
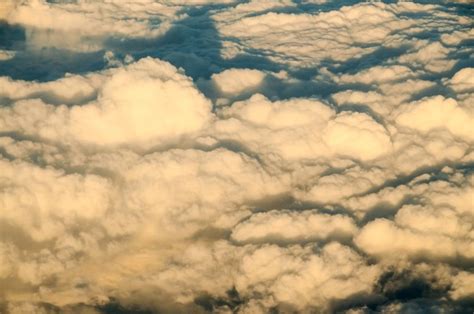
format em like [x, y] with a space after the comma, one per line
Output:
[128, 103]
[289, 34]
[87, 24]
[303, 129]
[293, 227]
[216, 156]
[436, 113]
[238, 80]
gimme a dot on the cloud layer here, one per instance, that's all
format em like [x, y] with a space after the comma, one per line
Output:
[236, 157]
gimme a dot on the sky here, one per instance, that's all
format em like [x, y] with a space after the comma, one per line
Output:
[230, 156]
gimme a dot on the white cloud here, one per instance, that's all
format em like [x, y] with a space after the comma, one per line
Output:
[72, 89]
[318, 160]
[234, 81]
[440, 228]
[302, 129]
[357, 135]
[455, 38]
[300, 279]
[44, 202]
[438, 112]
[383, 239]
[431, 56]
[288, 226]
[83, 25]
[463, 80]
[379, 75]
[293, 40]
[128, 103]
[208, 184]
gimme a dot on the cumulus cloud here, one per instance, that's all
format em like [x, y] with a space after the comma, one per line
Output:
[288, 34]
[438, 112]
[319, 278]
[440, 227]
[87, 24]
[302, 129]
[128, 102]
[237, 80]
[49, 193]
[462, 81]
[215, 156]
[287, 226]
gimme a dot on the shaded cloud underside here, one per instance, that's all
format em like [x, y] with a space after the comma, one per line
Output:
[229, 156]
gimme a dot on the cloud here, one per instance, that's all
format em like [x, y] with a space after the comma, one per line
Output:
[438, 228]
[214, 156]
[234, 81]
[6, 55]
[127, 103]
[318, 280]
[379, 75]
[431, 56]
[437, 112]
[5, 8]
[32, 197]
[462, 288]
[287, 226]
[302, 128]
[87, 24]
[392, 240]
[462, 81]
[223, 183]
[279, 31]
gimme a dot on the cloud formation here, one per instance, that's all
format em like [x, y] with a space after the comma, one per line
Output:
[129, 100]
[236, 157]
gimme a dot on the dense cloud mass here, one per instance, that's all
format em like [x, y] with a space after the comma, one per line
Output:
[225, 156]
